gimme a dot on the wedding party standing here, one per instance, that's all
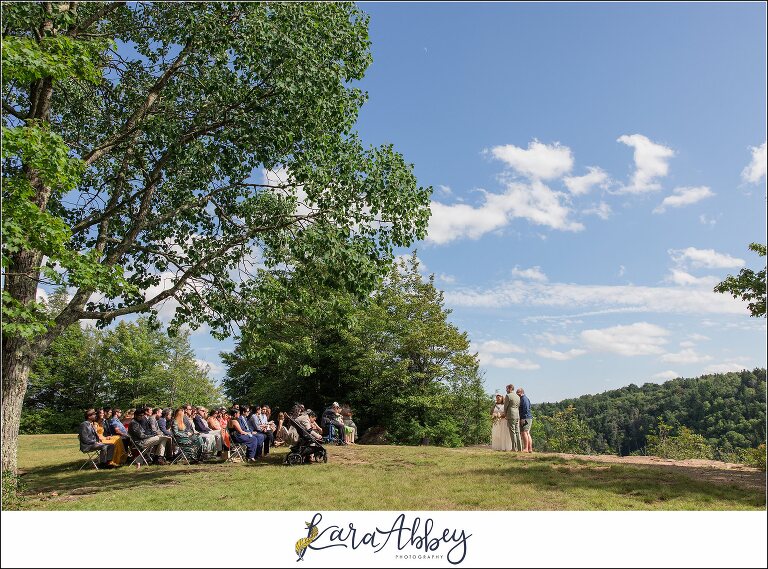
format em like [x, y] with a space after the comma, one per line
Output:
[500, 438]
[512, 411]
[526, 418]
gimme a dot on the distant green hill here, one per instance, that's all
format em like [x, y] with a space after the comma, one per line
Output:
[727, 409]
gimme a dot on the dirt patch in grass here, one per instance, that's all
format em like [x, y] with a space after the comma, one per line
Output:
[712, 471]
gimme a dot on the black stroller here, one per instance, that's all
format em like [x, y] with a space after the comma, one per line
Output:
[307, 447]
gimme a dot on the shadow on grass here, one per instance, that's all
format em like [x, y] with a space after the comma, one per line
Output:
[651, 485]
[67, 479]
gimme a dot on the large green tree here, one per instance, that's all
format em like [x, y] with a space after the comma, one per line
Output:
[135, 139]
[394, 356]
[748, 285]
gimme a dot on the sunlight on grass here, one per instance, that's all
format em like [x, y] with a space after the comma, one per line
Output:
[369, 478]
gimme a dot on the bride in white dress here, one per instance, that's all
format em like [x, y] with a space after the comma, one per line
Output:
[500, 437]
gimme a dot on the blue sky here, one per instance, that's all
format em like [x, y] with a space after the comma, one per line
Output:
[597, 169]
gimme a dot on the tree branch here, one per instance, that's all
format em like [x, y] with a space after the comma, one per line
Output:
[138, 115]
[98, 15]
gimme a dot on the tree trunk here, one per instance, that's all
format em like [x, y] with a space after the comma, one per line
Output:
[18, 353]
[17, 362]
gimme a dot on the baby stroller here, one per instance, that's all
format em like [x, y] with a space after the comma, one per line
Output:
[305, 448]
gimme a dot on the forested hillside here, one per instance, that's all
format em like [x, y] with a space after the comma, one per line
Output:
[727, 409]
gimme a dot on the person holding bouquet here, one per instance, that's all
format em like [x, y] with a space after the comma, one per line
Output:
[500, 437]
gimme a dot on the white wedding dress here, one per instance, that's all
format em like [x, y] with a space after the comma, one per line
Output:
[500, 437]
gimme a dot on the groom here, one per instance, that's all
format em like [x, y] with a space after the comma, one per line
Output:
[512, 411]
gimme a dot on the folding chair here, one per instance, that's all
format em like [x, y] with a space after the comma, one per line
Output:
[181, 454]
[94, 455]
[236, 450]
[138, 453]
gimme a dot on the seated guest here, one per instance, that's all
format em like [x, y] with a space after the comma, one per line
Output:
[299, 414]
[280, 430]
[140, 433]
[258, 423]
[89, 439]
[187, 439]
[153, 421]
[128, 417]
[241, 433]
[332, 419]
[267, 412]
[120, 455]
[349, 425]
[106, 424]
[211, 438]
[189, 412]
[217, 424]
[116, 424]
[224, 422]
[313, 422]
[164, 421]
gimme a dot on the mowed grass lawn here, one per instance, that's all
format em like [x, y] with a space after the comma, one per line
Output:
[372, 478]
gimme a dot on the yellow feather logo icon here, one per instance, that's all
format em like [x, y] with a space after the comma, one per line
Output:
[303, 543]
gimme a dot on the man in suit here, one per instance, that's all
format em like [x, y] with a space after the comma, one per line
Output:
[89, 438]
[141, 434]
[512, 411]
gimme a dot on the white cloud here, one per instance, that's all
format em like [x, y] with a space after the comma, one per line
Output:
[534, 274]
[553, 339]
[669, 374]
[215, 369]
[698, 337]
[447, 279]
[444, 190]
[499, 347]
[682, 278]
[637, 339]
[539, 161]
[562, 356]
[755, 170]
[684, 196]
[687, 344]
[535, 202]
[449, 222]
[704, 219]
[601, 210]
[603, 298]
[685, 356]
[724, 368]
[707, 258]
[651, 163]
[580, 185]
[490, 360]
[488, 351]
[622, 270]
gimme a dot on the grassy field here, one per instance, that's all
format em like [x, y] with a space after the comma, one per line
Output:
[377, 478]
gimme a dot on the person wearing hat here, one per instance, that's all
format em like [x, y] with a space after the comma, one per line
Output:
[89, 438]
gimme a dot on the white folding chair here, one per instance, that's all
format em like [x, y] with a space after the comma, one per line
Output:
[181, 454]
[139, 453]
[94, 455]
[236, 450]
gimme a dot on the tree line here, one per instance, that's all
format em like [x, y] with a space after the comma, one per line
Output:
[728, 410]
